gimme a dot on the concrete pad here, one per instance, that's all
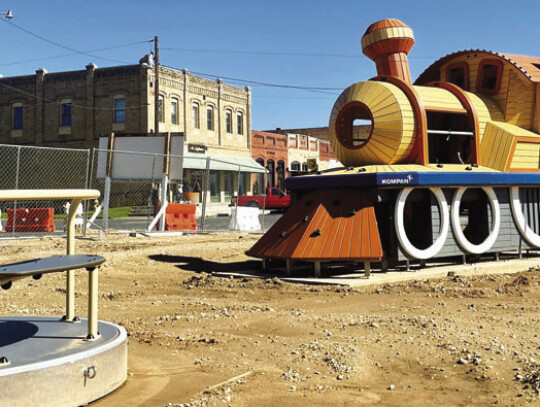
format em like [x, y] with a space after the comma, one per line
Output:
[358, 279]
[50, 363]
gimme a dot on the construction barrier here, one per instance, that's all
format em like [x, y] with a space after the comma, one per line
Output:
[30, 220]
[79, 214]
[191, 197]
[245, 219]
[180, 216]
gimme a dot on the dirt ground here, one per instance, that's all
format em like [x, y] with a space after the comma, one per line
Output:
[201, 340]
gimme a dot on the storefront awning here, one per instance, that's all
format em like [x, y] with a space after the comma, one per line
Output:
[222, 163]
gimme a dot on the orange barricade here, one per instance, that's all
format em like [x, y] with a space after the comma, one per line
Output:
[180, 216]
[30, 220]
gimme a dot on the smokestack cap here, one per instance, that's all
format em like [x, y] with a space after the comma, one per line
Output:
[387, 37]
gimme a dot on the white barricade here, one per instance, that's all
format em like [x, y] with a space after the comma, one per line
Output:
[79, 219]
[1, 230]
[244, 219]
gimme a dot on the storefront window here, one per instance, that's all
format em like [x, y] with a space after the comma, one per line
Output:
[228, 185]
[214, 186]
[242, 183]
[270, 166]
[258, 179]
[281, 175]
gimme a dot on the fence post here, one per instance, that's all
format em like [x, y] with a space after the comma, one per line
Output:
[16, 187]
[164, 200]
[106, 198]
[238, 184]
[205, 192]
[89, 167]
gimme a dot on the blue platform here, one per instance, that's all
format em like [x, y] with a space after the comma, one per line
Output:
[413, 178]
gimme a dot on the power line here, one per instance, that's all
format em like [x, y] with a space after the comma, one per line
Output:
[259, 83]
[67, 55]
[272, 53]
[294, 54]
[292, 97]
[76, 51]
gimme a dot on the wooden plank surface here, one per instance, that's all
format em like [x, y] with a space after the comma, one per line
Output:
[340, 225]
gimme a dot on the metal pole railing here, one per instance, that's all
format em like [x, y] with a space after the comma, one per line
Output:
[205, 192]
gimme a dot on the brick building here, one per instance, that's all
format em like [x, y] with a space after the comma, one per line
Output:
[286, 154]
[303, 148]
[72, 109]
[270, 151]
[323, 133]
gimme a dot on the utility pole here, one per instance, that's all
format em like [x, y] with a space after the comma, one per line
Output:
[156, 84]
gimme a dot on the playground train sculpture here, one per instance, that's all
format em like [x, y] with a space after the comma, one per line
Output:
[447, 166]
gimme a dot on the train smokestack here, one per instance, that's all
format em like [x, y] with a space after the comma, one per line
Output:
[387, 42]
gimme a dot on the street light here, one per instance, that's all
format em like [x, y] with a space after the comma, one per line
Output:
[8, 14]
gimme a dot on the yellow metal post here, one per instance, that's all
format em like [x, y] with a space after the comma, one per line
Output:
[93, 304]
[70, 249]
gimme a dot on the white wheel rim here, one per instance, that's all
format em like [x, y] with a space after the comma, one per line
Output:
[407, 246]
[519, 219]
[495, 224]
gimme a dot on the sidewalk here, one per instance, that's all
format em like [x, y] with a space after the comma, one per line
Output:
[358, 279]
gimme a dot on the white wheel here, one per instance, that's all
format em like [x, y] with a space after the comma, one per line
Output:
[495, 224]
[524, 229]
[407, 246]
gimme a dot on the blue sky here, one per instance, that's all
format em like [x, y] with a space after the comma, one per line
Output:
[314, 44]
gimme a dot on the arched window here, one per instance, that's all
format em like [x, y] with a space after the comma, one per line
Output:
[174, 111]
[258, 179]
[458, 74]
[228, 121]
[240, 123]
[271, 167]
[281, 174]
[161, 108]
[196, 123]
[295, 166]
[489, 76]
[210, 117]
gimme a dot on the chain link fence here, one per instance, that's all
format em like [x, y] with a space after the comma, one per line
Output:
[24, 167]
[198, 194]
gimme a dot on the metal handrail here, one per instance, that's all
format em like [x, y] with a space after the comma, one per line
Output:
[76, 196]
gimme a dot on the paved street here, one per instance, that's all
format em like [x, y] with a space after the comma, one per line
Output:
[218, 223]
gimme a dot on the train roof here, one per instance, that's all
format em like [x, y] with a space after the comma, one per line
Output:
[529, 66]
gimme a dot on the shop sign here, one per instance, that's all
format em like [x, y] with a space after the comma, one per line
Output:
[196, 148]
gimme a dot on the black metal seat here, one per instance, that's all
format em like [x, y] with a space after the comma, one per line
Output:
[37, 267]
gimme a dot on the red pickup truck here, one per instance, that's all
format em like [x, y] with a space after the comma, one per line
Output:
[275, 198]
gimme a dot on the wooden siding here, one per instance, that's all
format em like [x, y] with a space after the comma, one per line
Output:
[530, 205]
[496, 146]
[536, 121]
[438, 99]
[520, 101]
[506, 147]
[393, 124]
[324, 226]
[516, 97]
[486, 110]
[368, 169]
[525, 155]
